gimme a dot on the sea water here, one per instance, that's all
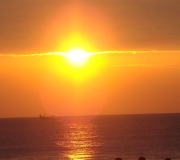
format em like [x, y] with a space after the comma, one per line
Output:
[155, 137]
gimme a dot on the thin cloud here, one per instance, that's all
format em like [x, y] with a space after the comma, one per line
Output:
[151, 58]
[99, 52]
[136, 52]
[33, 55]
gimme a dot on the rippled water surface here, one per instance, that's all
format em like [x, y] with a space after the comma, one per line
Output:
[101, 137]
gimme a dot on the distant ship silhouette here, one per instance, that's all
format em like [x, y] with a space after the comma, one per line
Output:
[46, 117]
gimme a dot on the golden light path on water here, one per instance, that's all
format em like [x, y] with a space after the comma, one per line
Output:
[79, 141]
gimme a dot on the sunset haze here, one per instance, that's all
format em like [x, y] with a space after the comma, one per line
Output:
[97, 57]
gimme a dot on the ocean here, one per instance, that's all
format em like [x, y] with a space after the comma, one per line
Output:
[154, 136]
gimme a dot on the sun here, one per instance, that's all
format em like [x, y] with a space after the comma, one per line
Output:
[77, 56]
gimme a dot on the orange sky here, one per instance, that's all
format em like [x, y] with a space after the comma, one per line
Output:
[135, 67]
[110, 83]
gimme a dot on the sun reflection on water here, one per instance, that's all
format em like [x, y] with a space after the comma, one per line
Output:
[79, 141]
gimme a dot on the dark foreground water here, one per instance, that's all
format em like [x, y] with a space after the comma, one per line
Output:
[104, 137]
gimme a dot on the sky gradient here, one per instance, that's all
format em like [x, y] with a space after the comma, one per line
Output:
[44, 25]
[134, 69]
[110, 83]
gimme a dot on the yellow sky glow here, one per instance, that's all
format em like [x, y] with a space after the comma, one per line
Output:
[111, 82]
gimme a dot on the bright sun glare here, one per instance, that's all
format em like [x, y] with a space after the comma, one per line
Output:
[77, 56]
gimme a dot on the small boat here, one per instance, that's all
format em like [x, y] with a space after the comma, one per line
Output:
[46, 117]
